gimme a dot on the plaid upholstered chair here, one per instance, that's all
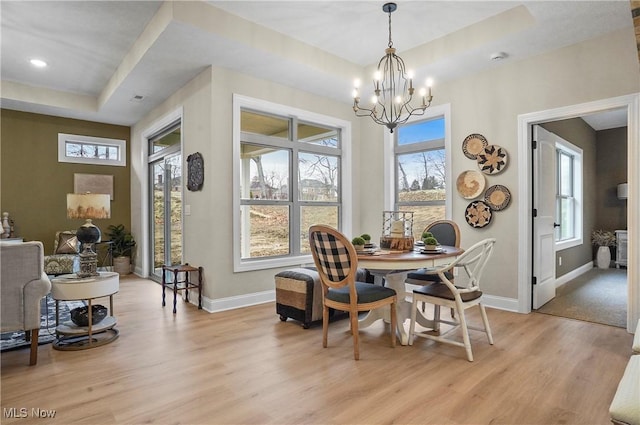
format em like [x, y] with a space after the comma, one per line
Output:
[337, 263]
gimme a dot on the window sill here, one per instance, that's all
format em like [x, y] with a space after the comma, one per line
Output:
[272, 263]
[570, 243]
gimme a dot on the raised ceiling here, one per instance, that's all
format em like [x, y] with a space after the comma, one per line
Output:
[102, 54]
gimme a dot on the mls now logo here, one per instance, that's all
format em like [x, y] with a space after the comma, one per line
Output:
[23, 412]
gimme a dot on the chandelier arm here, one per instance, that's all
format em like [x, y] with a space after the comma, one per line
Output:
[393, 89]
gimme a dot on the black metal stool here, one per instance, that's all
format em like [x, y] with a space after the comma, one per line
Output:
[188, 284]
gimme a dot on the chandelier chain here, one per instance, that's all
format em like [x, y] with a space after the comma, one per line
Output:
[390, 41]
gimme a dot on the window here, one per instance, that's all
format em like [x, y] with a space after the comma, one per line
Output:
[420, 159]
[289, 176]
[568, 195]
[91, 150]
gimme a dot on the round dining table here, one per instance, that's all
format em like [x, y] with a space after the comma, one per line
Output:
[394, 267]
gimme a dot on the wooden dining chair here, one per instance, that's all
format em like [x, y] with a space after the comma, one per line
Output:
[445, 293]
[337, 264]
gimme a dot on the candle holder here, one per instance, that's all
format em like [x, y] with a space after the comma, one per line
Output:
[397, 230]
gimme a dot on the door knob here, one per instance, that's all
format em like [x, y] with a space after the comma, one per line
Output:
[556, 225]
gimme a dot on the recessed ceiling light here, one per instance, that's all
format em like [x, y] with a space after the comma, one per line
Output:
[38, 63]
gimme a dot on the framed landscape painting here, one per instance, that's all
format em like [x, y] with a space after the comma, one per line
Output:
[93, 183]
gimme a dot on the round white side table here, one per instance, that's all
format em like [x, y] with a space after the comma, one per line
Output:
[70, 287]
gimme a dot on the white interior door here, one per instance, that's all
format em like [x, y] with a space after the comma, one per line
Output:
[544, 201]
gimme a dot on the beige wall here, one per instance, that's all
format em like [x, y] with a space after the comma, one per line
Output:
[579, 133]
[490, 103]
[34, 184]
[207, 128]
[487, 103]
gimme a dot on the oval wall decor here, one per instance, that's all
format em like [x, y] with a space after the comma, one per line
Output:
[498, 197]
[478, 214]
[195, 171]
[492, 159]
[473, 144]
[470, 184]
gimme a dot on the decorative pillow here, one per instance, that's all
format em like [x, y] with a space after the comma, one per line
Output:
[67, 244]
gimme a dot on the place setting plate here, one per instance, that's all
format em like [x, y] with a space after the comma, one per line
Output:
[438, 250]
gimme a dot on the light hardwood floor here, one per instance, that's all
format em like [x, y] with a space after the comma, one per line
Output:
[247, 367]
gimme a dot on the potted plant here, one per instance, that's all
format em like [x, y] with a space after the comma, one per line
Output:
[426, 235]
[430, 243]
[603, 239]
[367, 238]
[358, 243]
[122, 244]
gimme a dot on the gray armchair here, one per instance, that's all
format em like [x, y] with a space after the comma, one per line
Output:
[23, 285]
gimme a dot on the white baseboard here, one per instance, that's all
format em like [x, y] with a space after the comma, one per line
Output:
[501, 303]
[231, 303]
[574, 274]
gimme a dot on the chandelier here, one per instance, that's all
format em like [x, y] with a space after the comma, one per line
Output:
[393, 89]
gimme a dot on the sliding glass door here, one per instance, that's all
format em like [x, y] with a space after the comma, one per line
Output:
[165, 179]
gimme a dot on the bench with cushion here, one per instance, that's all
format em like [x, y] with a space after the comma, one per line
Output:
[299, 295]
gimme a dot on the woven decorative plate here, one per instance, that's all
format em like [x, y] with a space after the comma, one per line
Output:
[470, 184]
[497, 197]
[492, 159]
[473, 144]
[478, 214]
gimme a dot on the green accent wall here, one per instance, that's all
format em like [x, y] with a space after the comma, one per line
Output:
[34, 185]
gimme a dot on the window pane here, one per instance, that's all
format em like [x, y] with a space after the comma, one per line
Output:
[423, 215]
[310, 215]
[266, 125]
[318, 177]
[421, 171]
[264, 172]
[170, 137]
[268, 230]
[566, 219]
[86, 150]
[315, 135]
[566, 175]
[422, 131]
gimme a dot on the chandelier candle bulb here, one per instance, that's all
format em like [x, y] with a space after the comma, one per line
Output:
[397, 88]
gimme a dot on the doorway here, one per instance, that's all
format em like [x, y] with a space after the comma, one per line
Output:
[586, 160]
[165, 188]
[631, 105]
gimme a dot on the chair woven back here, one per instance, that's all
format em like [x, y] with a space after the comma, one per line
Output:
[334, 255]
[446, 232]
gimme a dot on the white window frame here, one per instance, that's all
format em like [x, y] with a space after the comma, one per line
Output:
[576, 153]
[389, 158]
[243, 102]
[121, 145]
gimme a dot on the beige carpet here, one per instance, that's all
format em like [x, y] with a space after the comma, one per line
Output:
[598, 296]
